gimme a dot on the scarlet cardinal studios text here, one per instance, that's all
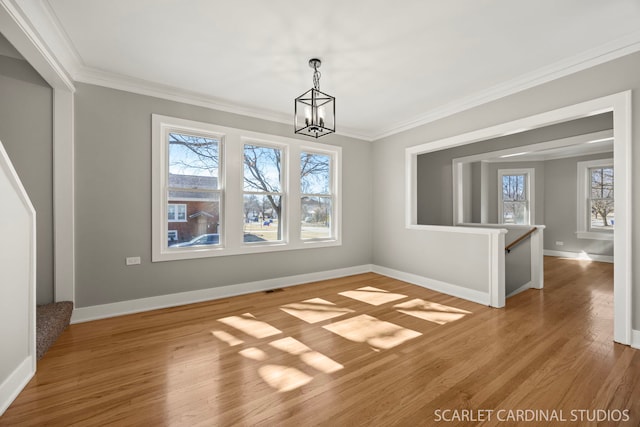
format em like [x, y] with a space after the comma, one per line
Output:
[530, 415]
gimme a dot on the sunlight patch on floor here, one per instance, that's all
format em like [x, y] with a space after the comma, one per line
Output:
[227, 337]
[373, 296]
[320, 362]
[253, 353]
[286, 378]
[315, 310]
[312, 358]
[248, 324]
[431, 311]
[290, 345]
[283, 378]
[375, 332]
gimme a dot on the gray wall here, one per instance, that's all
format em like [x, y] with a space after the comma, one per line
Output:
[26, 131]
[393, 242]
[435, 183]
[561, 207]
[113, 204]
[517, 262]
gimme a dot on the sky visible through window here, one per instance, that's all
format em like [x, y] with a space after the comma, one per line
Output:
[193, 155]
[314, 175]
[262, 166]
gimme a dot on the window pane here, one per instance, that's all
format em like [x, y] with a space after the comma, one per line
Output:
[315, 213]
[262, 218]
[315, 173]
[513, 188]
[602, 214]
[197, 222]
[515, 213]
[602, 183]
[262, 169]
[193, 162]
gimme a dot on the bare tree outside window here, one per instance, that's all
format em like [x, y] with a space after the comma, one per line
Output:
[602, 213]
[514, 199]
[263, 196]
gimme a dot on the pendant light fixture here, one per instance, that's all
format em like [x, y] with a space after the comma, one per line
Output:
[315, 111]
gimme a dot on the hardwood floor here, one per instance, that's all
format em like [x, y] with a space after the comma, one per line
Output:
[331, 353]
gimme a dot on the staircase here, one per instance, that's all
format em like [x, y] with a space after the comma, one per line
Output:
[51, 320]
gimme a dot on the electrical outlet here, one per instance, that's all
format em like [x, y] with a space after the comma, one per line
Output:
[133, 260]
[559, 243]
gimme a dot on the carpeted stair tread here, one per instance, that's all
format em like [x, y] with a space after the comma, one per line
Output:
[51, 320]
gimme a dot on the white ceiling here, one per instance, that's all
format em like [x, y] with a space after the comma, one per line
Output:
[390, 65]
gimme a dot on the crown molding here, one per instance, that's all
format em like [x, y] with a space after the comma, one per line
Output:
[144, 87]
[19, 29]
[596, 56]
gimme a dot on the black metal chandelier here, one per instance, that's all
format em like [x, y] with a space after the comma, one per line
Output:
[315, 111]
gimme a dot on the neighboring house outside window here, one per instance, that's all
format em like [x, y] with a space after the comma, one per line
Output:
[596, 204]
[220, 191]
[515, 196]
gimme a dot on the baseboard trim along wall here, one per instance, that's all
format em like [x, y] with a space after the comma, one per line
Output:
[15, 382]
[635, 339]
[578, 255]
[435, 285]
[103, 311]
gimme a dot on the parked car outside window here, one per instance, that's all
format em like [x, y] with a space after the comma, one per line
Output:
[204, 239]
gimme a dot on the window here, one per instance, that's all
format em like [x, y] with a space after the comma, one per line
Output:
[515, 187]
[596, 207]
[316, 200]
[263, 195]
[220, 191]
[177, 213]
[193, 189]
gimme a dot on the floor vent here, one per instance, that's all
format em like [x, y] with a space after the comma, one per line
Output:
[270, 291]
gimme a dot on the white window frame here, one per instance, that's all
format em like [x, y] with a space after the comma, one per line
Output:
[530, 180]
[583, 219]
[232, 190]
[184, 205]
[333, 190]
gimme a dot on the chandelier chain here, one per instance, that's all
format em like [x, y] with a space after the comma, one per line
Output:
[316, 79]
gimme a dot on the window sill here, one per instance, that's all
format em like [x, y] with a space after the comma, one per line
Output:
[595, 235]
[195, 253]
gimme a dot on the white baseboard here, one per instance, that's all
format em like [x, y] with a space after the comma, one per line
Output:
[578, 255]
[520, 289]
[635, 339]
[15, 382]
[103, 311]
[435, 285]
